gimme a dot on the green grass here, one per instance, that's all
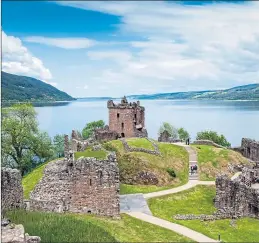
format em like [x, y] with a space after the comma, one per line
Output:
[130, 189]
[140, 143]
[30, 180]
[53, 227]
[130, 164]
[199, 200]
[100, 154]
[213, 160]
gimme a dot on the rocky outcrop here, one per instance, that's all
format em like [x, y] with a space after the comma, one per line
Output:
[11, 188]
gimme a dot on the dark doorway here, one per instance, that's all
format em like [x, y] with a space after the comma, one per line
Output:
[118, 115]
[123, 135]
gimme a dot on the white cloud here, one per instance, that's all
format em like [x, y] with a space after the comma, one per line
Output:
[86, 87]
[65, 43]
[18, 60]
[179, 46]
[116, 56]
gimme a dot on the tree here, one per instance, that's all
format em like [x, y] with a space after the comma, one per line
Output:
[23, 144]
[90, 127]
[170, 129]
[183, 134]
[213, 136]
[58, 144]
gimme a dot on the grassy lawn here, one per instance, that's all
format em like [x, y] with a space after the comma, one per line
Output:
[199, 200]
[212, 160]
[90, 153]
[130, 189]
[52, 227]
[140, 143]
[132, 163]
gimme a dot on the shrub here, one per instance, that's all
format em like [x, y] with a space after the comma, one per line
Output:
[183, 134]
[171, 172]
[213, 136]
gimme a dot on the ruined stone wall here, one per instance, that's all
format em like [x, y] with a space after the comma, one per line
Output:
[207, 142]
[250, 149]
[164, 137]
[236, 198]
[87, 185]
[105, 134]
[11, 188]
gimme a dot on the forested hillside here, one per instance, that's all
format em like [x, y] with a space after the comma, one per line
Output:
[23, 89]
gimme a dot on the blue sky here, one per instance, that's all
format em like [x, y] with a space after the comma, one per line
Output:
[116, 48]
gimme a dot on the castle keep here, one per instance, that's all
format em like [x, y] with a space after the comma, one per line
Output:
[127, 119]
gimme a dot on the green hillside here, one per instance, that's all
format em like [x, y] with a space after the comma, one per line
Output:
[17, 88]
[245, 92]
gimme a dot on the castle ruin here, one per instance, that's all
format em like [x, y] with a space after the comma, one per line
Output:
[249, 149]
[83, 185]
[239, 196]
[127, 119]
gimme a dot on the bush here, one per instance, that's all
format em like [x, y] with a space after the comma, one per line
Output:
[89, 128]
[183, 134]
[213, 136]
[171, 172]
[108, 146]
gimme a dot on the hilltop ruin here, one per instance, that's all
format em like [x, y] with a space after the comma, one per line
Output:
[127, 119]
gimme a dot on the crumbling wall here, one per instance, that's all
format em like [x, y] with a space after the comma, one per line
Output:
[250, 149]
[86, 185]
[207, 142]
[236, 198]
[164, 136]
[105, 134]
[11, 188]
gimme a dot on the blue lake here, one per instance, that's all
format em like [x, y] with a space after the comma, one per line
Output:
[234, 119]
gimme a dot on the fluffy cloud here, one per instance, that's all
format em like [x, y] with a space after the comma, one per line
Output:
[195, 46]
[65, 43]
[18, 60]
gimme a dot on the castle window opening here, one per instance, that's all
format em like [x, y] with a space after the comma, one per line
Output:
[118, 115]
[122, 125]
[90, 182]
[135, 116]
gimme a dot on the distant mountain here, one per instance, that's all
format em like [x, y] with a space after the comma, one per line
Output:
[17, 88]
[245, 92]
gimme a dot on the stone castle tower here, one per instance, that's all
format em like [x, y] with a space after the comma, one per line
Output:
[127, 119]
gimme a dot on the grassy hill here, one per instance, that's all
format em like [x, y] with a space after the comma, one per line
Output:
[17, 88]
[199, 200]
[245, 92]
[213, 160]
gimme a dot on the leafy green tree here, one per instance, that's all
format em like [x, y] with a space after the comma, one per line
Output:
[58, 144]
[90, 127]
[183, 134]
[213, 136]
[170, 129]
[23, 144]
